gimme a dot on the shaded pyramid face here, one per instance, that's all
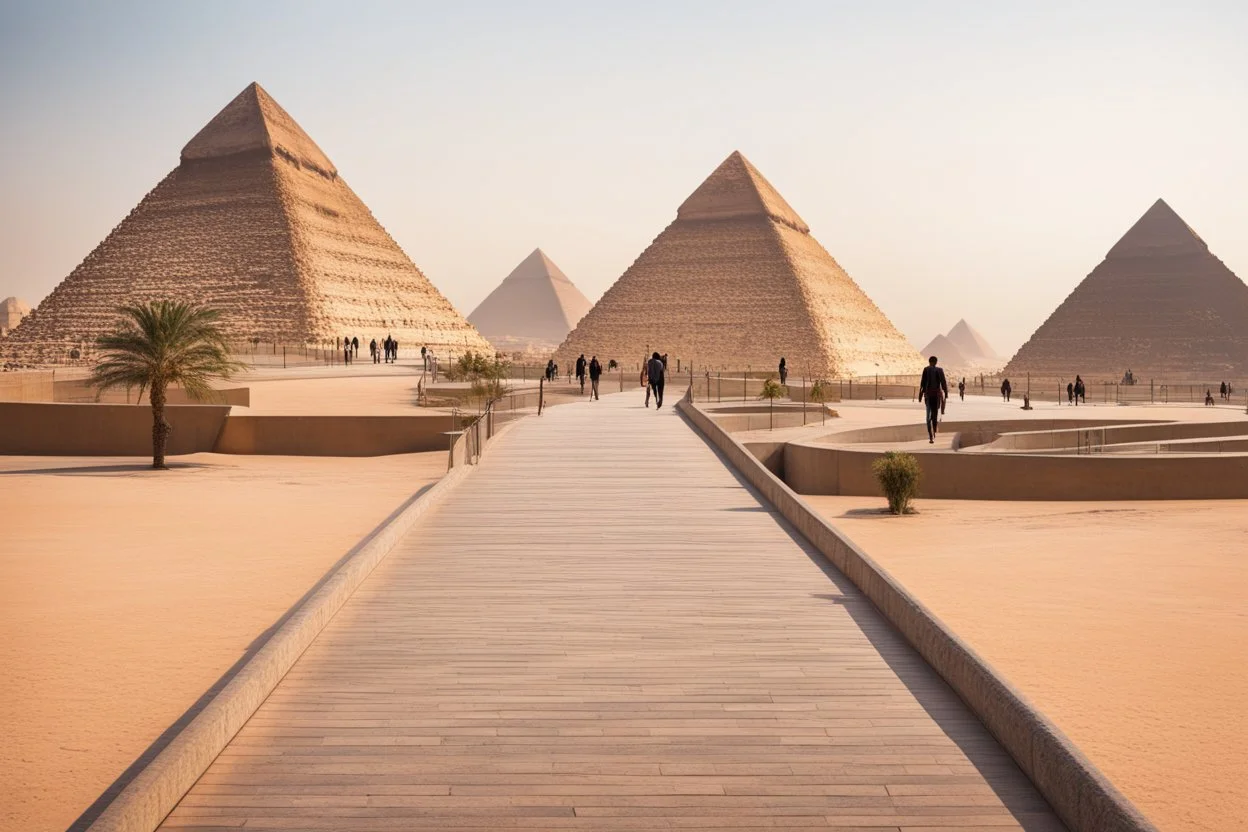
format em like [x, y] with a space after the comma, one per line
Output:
[973, 346]
[1159, 304]
[735, 281]
[256, 222]
[947, 352]
[535, 307]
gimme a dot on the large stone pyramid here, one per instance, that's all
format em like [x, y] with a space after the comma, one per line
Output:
[973, 346]
[737, 280]
[1159, 304]
[255, 221]
[535, 307]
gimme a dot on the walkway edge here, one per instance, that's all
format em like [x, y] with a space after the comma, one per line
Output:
[154, 792]
[1081, 795]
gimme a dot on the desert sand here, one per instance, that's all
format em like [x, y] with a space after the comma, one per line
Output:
[1124, 622]
[125, 594]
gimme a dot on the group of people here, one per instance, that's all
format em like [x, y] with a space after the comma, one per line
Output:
[1076, 392]
[593, 369]
[389, 348]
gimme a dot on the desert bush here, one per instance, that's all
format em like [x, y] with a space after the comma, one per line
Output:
[898, 474]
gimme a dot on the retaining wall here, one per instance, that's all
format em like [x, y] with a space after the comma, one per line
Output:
[47, 428]
[334, 435]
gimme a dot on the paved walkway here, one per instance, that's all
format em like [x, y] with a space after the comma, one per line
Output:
[602, 628]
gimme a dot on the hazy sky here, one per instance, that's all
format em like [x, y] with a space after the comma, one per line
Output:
[958, 159]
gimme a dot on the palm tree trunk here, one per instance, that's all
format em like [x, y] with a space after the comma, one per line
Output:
[160, 428]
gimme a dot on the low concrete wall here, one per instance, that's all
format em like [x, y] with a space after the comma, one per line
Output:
[1043, 439]
[821, 469]
[1084, 799]
[104, 429]
[334, 435]
[82, 392]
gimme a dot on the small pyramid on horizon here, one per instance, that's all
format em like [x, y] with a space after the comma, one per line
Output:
[534, 308]
[256, 222]
[946, 352]
[737, 280]
[1160, 304]
[973, 346]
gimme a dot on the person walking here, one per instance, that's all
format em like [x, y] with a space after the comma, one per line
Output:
[595, 373]
[580, 372]
[1070, 392]
[962, 390]
[1222, 390]
[1005, 389]
[655, 371]
[372, 351]
[355, 346]
[784, 372]
[346, 351]
[1081, 391]
[550, 370]
[645, 380]
[933, 389]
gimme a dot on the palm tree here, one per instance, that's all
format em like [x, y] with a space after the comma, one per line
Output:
[159, 344]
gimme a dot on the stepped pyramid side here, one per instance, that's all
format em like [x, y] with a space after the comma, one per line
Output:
[256, 222]
[1159, 304]
[535, 306]
[736, 280]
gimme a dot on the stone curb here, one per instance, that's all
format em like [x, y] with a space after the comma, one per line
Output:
[1082, 797]
[154, 792]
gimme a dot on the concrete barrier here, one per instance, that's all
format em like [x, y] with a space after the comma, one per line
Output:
[154, 792]
[335, 435]
[49, 428]
[1082, 797]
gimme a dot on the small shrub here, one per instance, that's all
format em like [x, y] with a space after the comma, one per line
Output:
[898, 474]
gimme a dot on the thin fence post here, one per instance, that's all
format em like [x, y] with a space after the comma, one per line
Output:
[541, 394]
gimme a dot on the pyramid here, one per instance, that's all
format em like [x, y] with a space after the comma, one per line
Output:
[256, 222]
[973, 346]
[1159, 304]
[535, 307]
[948, 353]
[12, 310]
[735, 281]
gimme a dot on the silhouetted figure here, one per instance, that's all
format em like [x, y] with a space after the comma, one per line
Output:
[656, 370]
[933, 389]
[1209, 402]
[355, 345]
[580, 372]
[1081, 390]
[962, 390]
[372, 351]
[1005, 389]
[595, 373]
[1222, 390]
[1070, 392]
[784, 372]
[550, 370]
[663, 358]
[645, 380]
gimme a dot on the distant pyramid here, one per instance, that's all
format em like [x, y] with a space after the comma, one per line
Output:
[738, 280]
[1159, 304]
[535, 306]
[12, 310]
[973, 346]
[255, 221]
[948, 353]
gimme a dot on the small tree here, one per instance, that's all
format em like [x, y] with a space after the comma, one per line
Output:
[898, 474]
[159, 344]
[772, 390]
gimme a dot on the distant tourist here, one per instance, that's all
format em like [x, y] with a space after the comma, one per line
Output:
[424, 356]
[656, 369]
[346, 351]
[1222, 390]
[372, 351]
[394, 355]
[595, 373]
[1209, 402]
[580, 372]
[663, 358]
[784, 371]
[355, 345]
[645, 380]
[550, 370]
[933, 389]
[962, 390]
[1081, 390]
[1070, 392]
[1005, 389]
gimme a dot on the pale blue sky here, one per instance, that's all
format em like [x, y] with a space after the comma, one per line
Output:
[960, 159]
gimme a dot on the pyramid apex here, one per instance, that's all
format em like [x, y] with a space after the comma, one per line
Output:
[254, 121]
[1160, 232]
[737, 189]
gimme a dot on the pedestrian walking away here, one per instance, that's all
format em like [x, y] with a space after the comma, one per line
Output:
[372, 351]
[933, 390]
[1005, 389]
[1081, 392]
[645, 380]
[595, 373]
[580, 372]
[962, 390]
[1070, 392]
[656, 370]
[784, 371]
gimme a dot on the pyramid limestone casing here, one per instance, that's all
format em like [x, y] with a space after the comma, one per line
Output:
[535, 306]
[1160, 304]
[12, 310]
[256, 222]
[735, 281]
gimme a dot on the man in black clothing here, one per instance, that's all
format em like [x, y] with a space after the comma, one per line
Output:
[580, 372]
[655, 371]
[934, 390]
[595, 373]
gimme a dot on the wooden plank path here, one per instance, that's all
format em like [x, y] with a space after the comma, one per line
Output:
[603, 629]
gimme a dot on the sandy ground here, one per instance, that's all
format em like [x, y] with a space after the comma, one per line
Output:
[1126, 623]
[126, 593]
